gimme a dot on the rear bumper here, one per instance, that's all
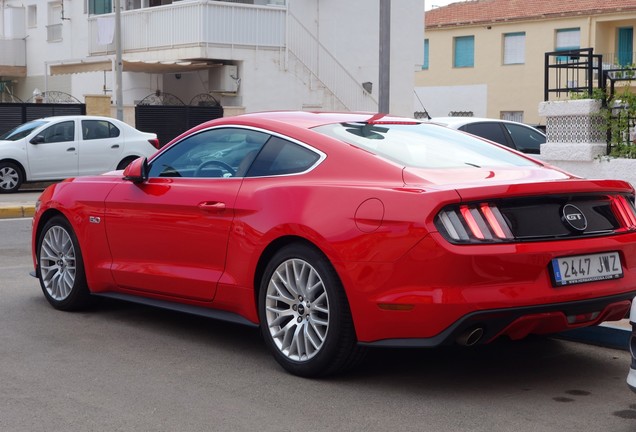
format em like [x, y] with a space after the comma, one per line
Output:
[517, 323]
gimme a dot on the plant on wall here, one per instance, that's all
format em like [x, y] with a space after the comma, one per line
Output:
[619, 114]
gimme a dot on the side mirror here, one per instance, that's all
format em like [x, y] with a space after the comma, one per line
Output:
[38, 139]
[137, 171]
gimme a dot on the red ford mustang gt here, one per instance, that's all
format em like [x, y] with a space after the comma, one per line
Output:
[335, 232]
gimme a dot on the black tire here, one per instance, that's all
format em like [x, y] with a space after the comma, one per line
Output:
[11, 177]
[61, 267]
[125, 162]
[304, 314]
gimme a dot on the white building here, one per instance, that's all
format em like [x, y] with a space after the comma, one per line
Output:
[251, 55]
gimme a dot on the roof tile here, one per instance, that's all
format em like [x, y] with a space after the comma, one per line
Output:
[480, 11]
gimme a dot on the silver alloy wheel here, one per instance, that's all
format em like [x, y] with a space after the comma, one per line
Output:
[8, 177]
[297, 310]
[57, 263]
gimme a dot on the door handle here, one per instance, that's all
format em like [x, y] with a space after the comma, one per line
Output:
[217, 206]
[70, 149]
[115, 146]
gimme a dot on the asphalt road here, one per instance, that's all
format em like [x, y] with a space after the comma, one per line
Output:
[122, 367]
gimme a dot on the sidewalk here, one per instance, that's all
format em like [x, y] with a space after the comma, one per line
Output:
[21, 204]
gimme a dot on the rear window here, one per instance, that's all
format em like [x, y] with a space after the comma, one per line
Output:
[421, 145]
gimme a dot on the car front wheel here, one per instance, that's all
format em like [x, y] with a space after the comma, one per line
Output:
[305, 317]
[61, 268]
[10, 177]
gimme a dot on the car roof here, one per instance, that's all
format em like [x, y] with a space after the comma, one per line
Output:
[73, 117]
[310, 119]
[460, 121]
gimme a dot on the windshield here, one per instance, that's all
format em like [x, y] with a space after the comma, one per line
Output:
[22, 130]
[421, 145]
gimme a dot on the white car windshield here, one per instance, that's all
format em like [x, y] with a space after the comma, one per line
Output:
[422, 145]
[22, 130]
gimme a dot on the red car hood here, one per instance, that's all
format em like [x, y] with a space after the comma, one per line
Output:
[476, 183]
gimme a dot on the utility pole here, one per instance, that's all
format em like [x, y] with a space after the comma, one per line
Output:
[385, 56]
[119, 103]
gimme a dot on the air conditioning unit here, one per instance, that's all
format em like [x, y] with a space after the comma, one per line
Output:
[224, 79]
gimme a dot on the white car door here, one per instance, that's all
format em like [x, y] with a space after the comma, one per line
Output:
[101, 147]
[52, 151]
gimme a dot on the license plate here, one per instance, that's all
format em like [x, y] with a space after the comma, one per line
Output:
[586, 268]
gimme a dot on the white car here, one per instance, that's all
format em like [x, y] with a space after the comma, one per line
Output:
[631, 377]
[55, 148]
[518, 136]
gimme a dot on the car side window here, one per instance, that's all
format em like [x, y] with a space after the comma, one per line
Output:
[212, 153]
[490, 131]
[526, 139]
[59, 132]
[99, 129]
[280, 157]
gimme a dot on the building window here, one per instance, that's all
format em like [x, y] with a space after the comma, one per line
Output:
[32, 16]
[464, 54]
[425, 64]
[516, 116]
[567, 39]
[99, 7]
[514, 50]
[54, 26]
[625, 46]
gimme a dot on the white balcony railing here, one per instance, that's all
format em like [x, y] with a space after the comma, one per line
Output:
[12, 52]
[194, 23]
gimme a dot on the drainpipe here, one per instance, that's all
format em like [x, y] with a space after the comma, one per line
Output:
[385, 57]
[287, 35]
[118, 63]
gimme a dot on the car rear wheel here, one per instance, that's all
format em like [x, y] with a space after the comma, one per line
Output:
[10, 177]
[305, 316]
[61, 268]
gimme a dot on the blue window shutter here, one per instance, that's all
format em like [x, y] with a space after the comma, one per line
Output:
[464, 52]
[625, 46]
[425, 63]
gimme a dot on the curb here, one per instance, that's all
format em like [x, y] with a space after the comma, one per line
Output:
[18, 211]
[604, 335]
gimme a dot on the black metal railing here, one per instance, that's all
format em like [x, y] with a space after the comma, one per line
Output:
[572, 71]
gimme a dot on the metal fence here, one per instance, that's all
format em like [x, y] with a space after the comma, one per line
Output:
[14, 114]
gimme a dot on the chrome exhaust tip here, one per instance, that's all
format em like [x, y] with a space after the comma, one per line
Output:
[471, 336]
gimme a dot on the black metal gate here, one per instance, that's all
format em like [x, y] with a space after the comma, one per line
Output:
[167, 116]
[14, 114]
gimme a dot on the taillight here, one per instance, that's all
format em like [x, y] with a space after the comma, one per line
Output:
[155, 143]
[474, 223]
[625, 212]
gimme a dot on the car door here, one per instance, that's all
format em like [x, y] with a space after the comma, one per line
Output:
[52, 152]
[169, 234]
[100, 148]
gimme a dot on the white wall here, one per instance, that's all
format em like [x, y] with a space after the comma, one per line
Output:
[350, 31]
[441, 100]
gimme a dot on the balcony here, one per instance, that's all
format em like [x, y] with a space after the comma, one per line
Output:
[12, 57]
[191, 24]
